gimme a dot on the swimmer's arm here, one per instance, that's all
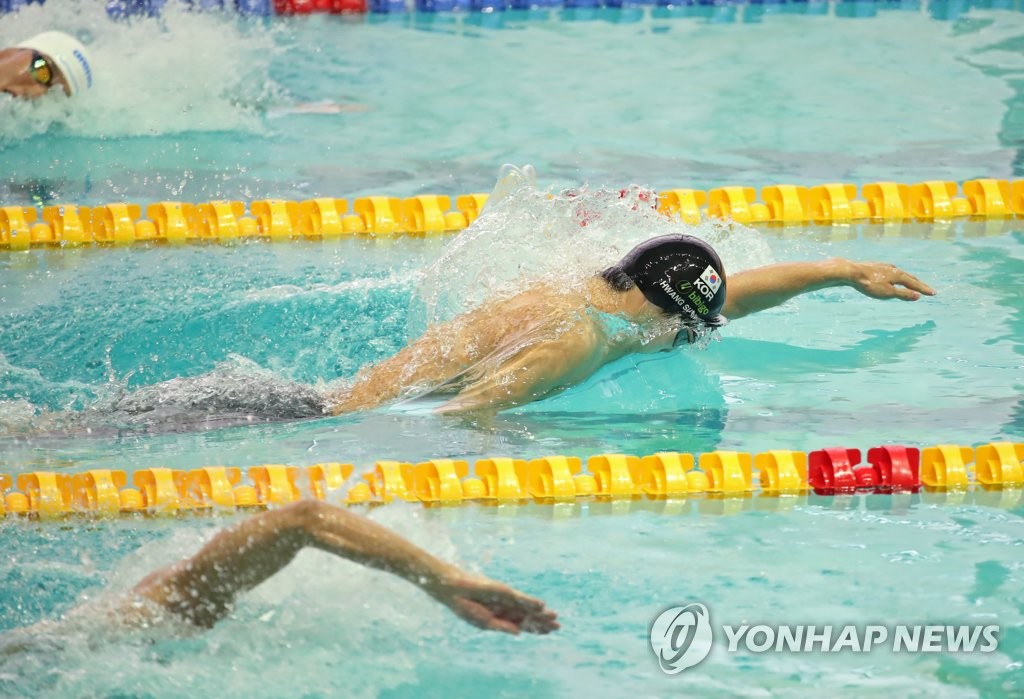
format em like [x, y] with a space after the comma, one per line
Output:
[202, 588]
[425, 361]
[532, 374]
[766, 287]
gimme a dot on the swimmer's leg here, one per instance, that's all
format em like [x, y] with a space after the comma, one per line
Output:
[202, 588]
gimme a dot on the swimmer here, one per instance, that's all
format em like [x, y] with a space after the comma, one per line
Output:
[201, 590]
[666, 293]
[45, 61]
[671, 289]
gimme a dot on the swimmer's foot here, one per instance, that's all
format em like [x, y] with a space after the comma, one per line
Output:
[491, 605]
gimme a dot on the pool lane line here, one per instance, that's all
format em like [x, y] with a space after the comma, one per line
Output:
[423, 215]
[993, 473]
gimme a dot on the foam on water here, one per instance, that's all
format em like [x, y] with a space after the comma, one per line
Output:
[527, 234]
[290, 291]
[334, 615]
[148, 80]
[764, 115]
[332, 628]
[944, 370]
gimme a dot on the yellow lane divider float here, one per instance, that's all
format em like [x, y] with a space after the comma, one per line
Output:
[998, 469]
[176, 222]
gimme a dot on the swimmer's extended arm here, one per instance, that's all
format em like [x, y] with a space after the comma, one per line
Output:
[757, 289]
[201, 589]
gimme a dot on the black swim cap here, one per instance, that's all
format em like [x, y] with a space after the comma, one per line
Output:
[679, 274]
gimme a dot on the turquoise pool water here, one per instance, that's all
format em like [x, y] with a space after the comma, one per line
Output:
[663, 102]
[668, 102]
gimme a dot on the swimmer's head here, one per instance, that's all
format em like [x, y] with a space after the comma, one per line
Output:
[679, 274]
[51, 59]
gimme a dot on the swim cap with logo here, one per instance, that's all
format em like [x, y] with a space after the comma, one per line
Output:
[68, 54]
[679, 274]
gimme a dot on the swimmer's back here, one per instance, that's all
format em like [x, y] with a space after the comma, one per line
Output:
[451, 355]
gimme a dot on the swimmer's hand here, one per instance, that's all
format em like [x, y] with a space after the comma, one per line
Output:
[880, 280]
[491, 605]
[761, 288]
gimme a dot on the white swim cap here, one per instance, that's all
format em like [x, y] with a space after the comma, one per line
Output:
[68, 53]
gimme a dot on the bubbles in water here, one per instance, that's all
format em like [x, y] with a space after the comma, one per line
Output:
[149, 78]
[236, 391]
[526, 235]
[15, 415]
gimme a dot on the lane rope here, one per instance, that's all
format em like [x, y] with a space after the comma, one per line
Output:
[429, 214]
[993, 474]
[492, 12]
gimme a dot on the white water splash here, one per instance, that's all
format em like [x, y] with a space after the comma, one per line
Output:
[526, 235]
[180, 72]
[282, 292]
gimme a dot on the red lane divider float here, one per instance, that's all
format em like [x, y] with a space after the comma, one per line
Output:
[305, 7]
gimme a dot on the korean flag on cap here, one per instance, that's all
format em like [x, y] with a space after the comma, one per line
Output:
[712, 278]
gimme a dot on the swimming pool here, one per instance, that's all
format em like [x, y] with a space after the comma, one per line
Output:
[666, 102]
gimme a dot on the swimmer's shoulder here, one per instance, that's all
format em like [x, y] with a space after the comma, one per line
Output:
[548, 299]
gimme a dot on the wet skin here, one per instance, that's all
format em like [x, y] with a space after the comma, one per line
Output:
[547, 338]
[16, 75]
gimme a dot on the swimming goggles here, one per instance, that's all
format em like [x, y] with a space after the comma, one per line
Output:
[41, 70]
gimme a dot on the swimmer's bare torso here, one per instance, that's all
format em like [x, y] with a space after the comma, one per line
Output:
[509, 352]
[548, 338]
[505, 353]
